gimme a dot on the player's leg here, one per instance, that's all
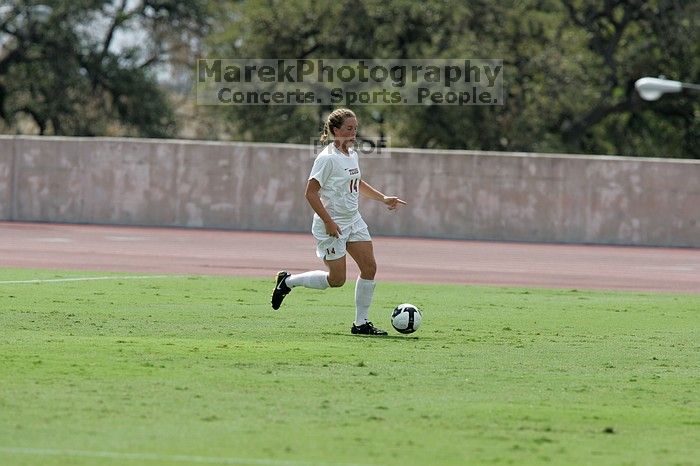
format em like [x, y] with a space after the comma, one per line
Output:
[336, 272]
[332, 251]
[328, 248]
[316, 279]
[363, 254]
[320, 279]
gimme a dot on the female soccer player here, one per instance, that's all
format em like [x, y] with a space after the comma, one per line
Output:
[333, 191]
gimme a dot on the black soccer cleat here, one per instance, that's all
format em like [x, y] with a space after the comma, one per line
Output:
[281, 289]
[367, 329]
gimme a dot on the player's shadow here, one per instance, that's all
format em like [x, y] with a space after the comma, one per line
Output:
[375, 337]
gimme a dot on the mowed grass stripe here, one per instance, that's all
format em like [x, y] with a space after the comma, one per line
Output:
[202, 367]
[84, 279]
[151, 457]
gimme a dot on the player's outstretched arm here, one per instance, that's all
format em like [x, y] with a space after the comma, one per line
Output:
[392, 202]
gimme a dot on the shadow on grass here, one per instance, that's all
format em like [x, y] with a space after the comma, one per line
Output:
[374, 337]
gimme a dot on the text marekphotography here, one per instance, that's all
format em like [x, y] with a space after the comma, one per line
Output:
[349, 82]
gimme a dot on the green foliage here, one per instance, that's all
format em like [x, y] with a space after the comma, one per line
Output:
[61, 68]
[570, 68]
[186, 370]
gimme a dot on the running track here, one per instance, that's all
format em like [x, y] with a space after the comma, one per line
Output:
[217, 252]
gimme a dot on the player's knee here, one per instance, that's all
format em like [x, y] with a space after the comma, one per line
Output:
[368, 271]
[336, 281]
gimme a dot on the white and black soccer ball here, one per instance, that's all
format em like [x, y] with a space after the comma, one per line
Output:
[406, 318]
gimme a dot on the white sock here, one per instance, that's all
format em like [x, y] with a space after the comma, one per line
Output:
[317, 279]
[364, 290]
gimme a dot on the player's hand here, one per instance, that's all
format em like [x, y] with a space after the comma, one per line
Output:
[332, 229]
[393, 202]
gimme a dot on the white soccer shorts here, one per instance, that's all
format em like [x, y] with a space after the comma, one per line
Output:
[331, 248]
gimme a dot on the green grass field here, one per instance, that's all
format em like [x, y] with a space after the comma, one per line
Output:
[200, 370]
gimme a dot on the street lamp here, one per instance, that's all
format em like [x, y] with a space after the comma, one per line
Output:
[653, 88]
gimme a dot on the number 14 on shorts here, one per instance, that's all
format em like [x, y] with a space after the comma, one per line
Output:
[330, 251]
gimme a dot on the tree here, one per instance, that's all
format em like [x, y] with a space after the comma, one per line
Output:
[627, 40]
[62, 69]
[570, 66]
[299, 29]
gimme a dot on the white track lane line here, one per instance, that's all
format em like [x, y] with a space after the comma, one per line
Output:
[169, 458]
[85, 279]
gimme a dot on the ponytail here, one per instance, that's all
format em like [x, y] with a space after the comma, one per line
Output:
[324, 134]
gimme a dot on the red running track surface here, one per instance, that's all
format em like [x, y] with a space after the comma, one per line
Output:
[262, 254]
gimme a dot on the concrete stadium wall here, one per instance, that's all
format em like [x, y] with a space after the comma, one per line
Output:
[451, 194]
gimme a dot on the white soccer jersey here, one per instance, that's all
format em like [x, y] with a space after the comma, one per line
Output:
[339, 177]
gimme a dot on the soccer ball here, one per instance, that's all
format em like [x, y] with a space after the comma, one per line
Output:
[406, 318]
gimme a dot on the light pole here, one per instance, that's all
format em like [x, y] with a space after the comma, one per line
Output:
[653, 88]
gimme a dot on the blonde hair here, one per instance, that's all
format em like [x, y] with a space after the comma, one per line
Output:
[335, 120]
